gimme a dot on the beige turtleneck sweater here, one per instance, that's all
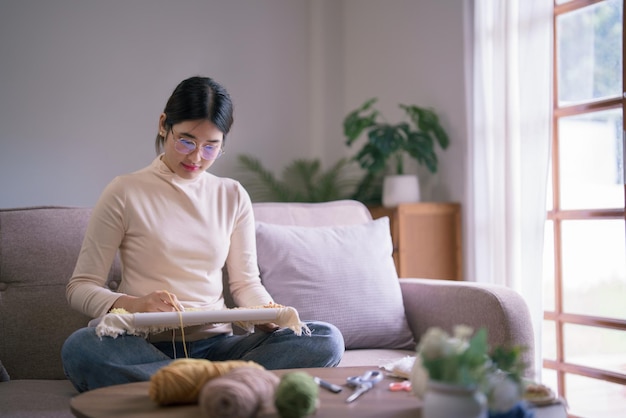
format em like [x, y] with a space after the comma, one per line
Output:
[172, 234]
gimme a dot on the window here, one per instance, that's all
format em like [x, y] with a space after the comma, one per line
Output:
[584, 343]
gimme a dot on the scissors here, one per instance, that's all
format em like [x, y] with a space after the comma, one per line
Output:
[363, 383]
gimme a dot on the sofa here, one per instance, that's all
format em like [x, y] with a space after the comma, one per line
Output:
[39, 247]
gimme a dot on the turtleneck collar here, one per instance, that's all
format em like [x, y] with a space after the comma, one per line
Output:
[164, 171]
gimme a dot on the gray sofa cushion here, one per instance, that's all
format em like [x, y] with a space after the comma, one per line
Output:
[30, 398]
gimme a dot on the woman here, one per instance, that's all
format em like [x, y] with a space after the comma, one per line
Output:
[175, 226]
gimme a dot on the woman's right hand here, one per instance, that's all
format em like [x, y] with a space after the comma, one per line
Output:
[158, 301]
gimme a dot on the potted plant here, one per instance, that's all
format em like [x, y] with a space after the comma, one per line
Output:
[459, 376]
[303, 180]
[386, 147]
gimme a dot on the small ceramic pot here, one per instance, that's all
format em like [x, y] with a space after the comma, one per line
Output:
[398, 189]
[443, 400]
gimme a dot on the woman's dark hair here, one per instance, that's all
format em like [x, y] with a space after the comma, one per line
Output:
[198, 98]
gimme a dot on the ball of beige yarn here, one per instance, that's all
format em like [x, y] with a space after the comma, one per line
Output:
[241, 393]
[180, 382]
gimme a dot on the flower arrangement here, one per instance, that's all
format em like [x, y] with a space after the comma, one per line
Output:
[463, 360]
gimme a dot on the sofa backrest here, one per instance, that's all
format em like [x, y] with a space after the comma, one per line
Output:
[38, 250]
[339, 212]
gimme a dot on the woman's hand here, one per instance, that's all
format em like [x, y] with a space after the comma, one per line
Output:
[158, 301]
[270, 326]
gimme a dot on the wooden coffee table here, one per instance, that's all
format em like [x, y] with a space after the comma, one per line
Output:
[132, 401]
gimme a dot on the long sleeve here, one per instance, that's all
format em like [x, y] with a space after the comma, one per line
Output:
[243, 270]
[105, 231]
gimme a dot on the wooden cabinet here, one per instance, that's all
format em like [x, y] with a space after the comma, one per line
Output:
[426, 239]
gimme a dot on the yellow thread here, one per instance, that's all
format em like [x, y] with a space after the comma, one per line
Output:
[174, 343]
[182, 326]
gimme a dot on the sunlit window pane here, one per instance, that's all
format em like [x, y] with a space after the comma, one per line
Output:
[549, 378]
[589, 53]
[594, 398]
[548, 337]
[591, 160]
[600, 348]
[594, 268]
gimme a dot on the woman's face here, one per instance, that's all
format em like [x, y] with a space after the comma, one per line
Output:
[201, 132]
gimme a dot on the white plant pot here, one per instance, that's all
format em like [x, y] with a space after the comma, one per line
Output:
[398, 189]
[446, 401]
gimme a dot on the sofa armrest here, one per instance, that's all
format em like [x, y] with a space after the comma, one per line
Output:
[4, 376]
[444, 304]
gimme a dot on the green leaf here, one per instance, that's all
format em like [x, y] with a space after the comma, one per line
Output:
[419, 146]
[427, 121]
[356, 122]
[298, 176]
[509, 359]
[387, 139]
[371, 158]
[369, 189]
[261, 183]
[476, 353]
[332, 183]
[441, 136]
[303, 180]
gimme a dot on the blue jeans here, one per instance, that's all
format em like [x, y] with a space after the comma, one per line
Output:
[91, 362]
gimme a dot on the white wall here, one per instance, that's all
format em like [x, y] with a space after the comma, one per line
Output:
[82, 83]
[411, 52]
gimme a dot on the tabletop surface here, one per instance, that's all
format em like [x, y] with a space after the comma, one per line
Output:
[132, 401]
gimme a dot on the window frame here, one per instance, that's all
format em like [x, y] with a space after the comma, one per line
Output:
[556, 216]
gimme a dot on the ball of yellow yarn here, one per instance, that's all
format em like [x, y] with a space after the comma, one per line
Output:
[297, 395]
[180, 382]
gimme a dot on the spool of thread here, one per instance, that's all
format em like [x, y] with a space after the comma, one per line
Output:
[297, 395]
[241, 393]
[180, 382]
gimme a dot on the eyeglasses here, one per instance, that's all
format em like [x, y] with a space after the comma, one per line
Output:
[187, 146]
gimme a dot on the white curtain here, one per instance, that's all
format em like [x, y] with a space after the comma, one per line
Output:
[510, 146]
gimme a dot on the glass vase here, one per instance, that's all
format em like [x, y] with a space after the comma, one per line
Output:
[443, 400]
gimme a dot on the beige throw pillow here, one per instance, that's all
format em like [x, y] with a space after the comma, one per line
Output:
[344, 275]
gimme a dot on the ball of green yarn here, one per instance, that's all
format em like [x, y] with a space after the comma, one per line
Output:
[296, 395]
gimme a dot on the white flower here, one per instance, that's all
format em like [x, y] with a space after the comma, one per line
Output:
[503, 393]
[419, 378]
[455, 346]
[434, 343]
[463, 332]
[460, 342]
